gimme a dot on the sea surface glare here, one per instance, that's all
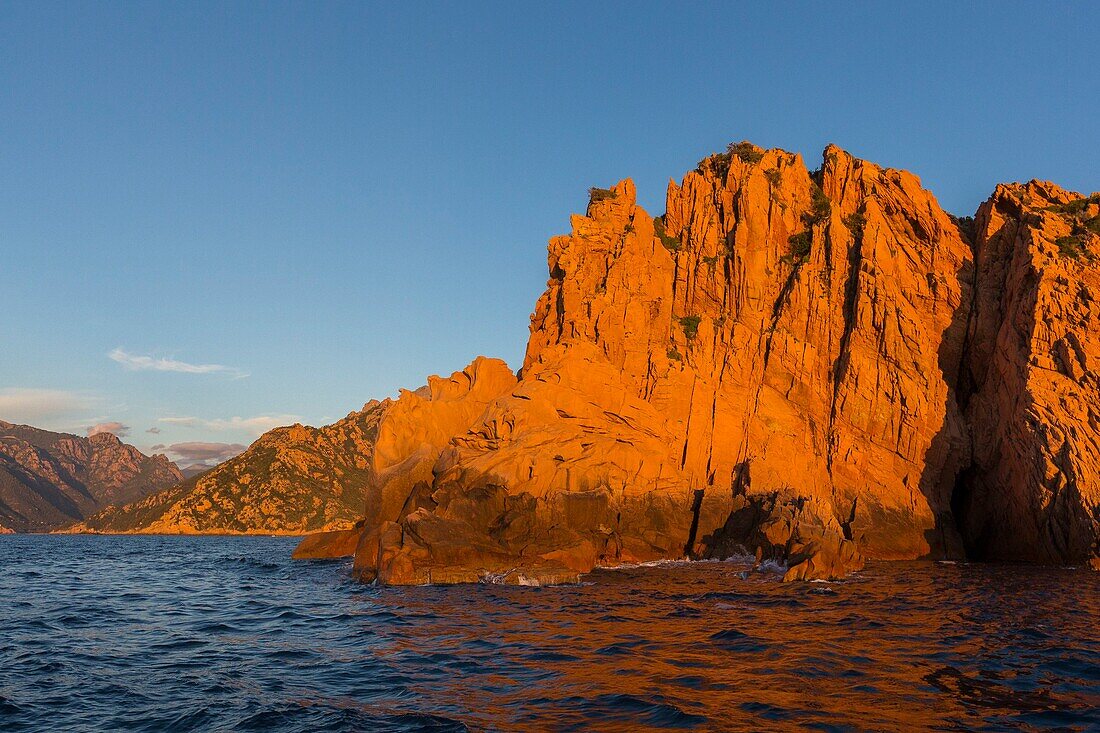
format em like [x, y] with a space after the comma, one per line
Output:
[230, 634]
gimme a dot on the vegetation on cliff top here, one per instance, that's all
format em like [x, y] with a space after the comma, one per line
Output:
[1076, 245]
[719, 163]
[600, 194]
[672, 244]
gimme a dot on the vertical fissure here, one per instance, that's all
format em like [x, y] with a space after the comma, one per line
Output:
[843, 357]
[696, 510]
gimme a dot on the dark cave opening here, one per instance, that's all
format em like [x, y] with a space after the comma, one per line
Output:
[962, 510]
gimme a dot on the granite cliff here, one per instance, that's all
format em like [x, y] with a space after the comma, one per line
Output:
[49, 480]
[767, 367]
[1031, 385]
[812, 366]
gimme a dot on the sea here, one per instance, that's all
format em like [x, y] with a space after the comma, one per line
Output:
[103, 633]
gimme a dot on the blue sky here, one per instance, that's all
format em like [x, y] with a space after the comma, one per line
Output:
[215, 217]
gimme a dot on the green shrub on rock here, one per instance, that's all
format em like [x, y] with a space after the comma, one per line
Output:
[690, 324]
[600, 194]
[672, 244]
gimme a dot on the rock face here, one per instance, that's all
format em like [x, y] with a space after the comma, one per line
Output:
[49, 480]
[806, 366]
[1031, 389]
[768, 367]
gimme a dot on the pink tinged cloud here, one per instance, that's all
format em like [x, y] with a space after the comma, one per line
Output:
[250, 425]
[114, 428]
[209, 454]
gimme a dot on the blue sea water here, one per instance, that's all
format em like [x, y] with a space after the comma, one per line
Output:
[228, 634]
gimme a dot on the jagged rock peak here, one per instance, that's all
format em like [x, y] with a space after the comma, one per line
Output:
[773, 364]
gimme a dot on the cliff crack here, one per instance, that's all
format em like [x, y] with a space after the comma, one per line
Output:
[840, 366]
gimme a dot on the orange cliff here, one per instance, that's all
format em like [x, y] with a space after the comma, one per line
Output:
[765, 368]
[1031, 388]
[773, 366]
[815, 367]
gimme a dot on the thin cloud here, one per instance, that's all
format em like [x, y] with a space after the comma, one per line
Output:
[154, 430]
[209, 454]
[142, 363]
[252, 425]
[114, 428]
[26, 405]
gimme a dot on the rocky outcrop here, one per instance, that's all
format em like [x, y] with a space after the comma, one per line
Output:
[768, 367]
[813, 367]
[783, 527]
[49, 480]
[330, 544]
[806, 366]
[1031, 387]
[800, 332]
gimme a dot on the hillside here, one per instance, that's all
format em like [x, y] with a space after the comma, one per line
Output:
[292, 480]
[49, 480]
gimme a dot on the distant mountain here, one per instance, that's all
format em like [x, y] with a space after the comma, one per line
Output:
[292, 480]
[194, 470]
[50, 480]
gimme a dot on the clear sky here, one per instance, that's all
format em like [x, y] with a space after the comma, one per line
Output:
[216, 217]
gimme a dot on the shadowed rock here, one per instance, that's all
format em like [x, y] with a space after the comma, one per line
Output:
[1031, 385]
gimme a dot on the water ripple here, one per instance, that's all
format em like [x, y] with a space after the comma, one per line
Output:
[228, 634]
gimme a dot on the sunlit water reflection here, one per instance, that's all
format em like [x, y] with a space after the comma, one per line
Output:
[186, 633]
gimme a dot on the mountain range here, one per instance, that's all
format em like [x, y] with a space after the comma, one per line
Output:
[50, 480]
